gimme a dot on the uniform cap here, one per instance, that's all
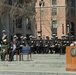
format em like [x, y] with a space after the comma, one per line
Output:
[39, 35]
[72, 36]
[66, 35]
[72, 44]
[21, 37]
[56, 36]
[32, 41]
[53, 34]
[63, 35]
[4, 40]
[30, 36]
[3, 30]
[24, 37]
[14, 36]
[33, 37]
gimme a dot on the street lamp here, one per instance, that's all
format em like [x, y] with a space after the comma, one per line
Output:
[62, 28]
[41, 3]
[68, 30]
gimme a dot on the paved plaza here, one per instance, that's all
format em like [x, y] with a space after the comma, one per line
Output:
[41, 64]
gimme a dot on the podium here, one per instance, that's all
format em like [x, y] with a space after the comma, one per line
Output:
[70, 58]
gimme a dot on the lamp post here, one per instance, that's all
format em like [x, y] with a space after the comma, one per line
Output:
[68, 30]
[68, 33]
[41, 3]
[62, 36]
[62, 28]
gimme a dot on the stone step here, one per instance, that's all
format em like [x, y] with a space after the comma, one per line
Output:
[41, 64]
[46, 56]
[34, 63]
[38, 61]
[37, 73]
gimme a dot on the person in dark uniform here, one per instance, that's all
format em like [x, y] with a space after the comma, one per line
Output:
[25, 39]
[4, 46]
[12, 50]
[22, 41]
[47, 46]
[32, 44]
[40, 45]
[56, 47]
[4, 35]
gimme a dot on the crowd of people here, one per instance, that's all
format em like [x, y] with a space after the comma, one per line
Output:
[37, 46]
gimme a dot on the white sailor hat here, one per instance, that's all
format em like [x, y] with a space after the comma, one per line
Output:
[21, 37]
[4, 40]
[33, 37]
[3, 30]
[56, 36]
[24, 37]
[66, 35]
[39, 35]
[32, 41]
[53, 34]
[72, 36]
[62, 35]
[15, 36]
[30, 36]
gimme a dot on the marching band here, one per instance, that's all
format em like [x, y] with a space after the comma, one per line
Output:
[38, 46]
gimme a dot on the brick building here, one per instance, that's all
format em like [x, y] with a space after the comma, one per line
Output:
[56, 17]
